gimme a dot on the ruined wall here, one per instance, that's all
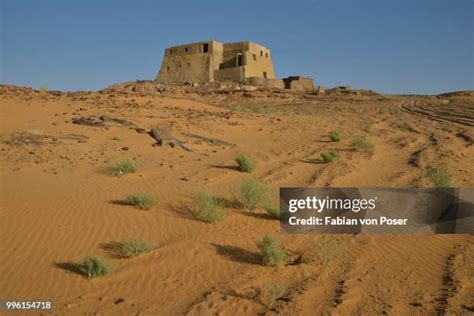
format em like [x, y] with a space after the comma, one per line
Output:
[299, 83]
[265, 82]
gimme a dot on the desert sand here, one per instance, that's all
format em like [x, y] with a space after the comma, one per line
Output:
[59, 203]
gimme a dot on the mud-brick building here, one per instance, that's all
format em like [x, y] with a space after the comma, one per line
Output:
[214, 61]
[210, 61]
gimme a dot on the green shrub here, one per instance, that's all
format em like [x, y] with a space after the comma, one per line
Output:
[95, 267]
[363, 143]
[395, 110]
[327, 251]
[440, 176]
[329, 156]
[245, 164]
[132, 247]
[43, 89]
[208, 208]
[275, 292]
[290, 113]
[142, 201]
[123, 166]
[310, 111]
[239, 107]
[117, 138]
[251, 194]
[263, 109]
[334, 136]
[272, 253]
[395, 125]
[272, 209]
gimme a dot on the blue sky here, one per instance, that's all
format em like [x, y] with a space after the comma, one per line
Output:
[404, 46]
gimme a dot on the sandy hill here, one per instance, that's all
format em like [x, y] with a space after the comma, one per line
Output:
[59, 203]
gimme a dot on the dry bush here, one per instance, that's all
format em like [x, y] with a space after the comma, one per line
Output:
[142, 201]
[95, 267]
[271, 251]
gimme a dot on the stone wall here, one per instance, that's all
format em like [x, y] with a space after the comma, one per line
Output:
[299, 83]
[265, 82]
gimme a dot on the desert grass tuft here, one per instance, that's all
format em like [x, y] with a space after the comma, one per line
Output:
[245, 163]
[238, 107]
[207, 208]
[329, 156]
[275, 292]
[395, 110]
[363, 143]
[440, 176]
[272, 209]
[142, 201]
[95, 267]
[327, 250]
[123, 166]
[251, 194]
[132, 247]
[334, 136]
[271, 251]
[396, 125]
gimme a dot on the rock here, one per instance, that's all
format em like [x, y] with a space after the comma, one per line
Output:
[249, 88]
[125, 148]
[140, 130]
[160, 134]
[106, 118]
[185, 147]
[209, 141]
[87, 122]
[119, 301]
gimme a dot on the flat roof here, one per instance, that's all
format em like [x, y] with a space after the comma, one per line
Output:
[213, 41]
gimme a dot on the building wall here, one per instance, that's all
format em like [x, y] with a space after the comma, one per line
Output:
[230, 54]
[259, 62]
[190, 62]
[235, 74]
[192, 68]
[222, 62]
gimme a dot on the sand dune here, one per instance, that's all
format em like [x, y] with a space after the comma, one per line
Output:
[59, 204]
